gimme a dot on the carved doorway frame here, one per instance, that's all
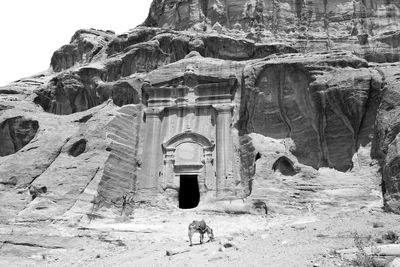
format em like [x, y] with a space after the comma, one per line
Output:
[205, 171]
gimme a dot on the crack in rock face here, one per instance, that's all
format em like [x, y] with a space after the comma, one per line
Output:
[15, 133]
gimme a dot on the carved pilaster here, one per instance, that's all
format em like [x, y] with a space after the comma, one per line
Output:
[210, 181]
[224, 146]
[148, 180]
[169, 161]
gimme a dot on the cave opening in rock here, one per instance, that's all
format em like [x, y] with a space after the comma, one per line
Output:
[258, 156]
[189, 194]
[285, 166]
[78, 148]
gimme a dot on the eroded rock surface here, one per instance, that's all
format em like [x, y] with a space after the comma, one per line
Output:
[316, 86]
[84, 47]
[120, 170]
[314, 99]
[368, 27]
[386, 136]
[16, 133]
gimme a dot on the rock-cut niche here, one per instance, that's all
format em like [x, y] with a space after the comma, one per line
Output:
[285, 166]
[15, 133]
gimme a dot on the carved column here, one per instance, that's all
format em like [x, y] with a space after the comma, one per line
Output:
[148, 180]
[224, 145]
[169, 161]
[210, 181]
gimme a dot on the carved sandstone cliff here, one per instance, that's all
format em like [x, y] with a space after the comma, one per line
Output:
[386, 139]
[315, 86]
[315, 100]
[368, 27]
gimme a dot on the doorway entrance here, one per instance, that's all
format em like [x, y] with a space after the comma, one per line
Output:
[189, 194]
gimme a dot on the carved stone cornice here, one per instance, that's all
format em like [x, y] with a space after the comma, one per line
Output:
[223, 108]
[153, 111]
[193, 90]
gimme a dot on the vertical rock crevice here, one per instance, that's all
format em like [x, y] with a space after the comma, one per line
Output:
[204, 7]
[248, 156]
[280, 96]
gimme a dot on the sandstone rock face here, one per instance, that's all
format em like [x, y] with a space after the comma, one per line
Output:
[89, 80]
[322, 109]
[75, 92]
[304, 91]
[386, 136]
[85, 45]
[368, 27]
[71, 94]
[120, 170]
[184, 14]
[305, 188]
[16, 133]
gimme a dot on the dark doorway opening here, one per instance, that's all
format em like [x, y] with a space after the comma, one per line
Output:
[189, 194]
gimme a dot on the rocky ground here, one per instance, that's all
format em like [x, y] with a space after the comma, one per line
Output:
[309, 239]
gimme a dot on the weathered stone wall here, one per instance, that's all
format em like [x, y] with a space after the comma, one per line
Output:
[386, 136]
[368, 27]
[119, 177]
[184, 14]
[316, 101]
[84, 47]
[15, 133]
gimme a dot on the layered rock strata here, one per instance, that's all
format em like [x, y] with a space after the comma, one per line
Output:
[316, 87]
[316, 101]
[387, 134]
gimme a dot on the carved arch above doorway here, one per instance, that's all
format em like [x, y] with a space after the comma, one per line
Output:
[188, 137]
[198, 151]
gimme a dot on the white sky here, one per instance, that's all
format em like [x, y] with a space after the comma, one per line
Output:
[31, 30]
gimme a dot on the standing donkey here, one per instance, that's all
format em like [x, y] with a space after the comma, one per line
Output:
[200, 227]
